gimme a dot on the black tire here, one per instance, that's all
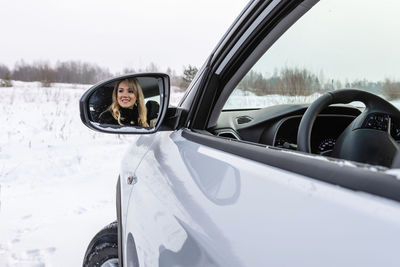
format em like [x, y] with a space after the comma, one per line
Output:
[103, 248]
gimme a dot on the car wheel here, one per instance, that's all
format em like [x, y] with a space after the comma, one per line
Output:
[103, 249]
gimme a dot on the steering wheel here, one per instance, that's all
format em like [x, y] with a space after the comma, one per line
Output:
[367, 139]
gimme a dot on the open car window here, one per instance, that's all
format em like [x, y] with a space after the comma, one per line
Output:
[338, 44]
[346, 48]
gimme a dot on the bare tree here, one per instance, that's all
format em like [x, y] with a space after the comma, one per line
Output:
[4, 71]
[5, 76]
[189, 73]
[391, 89]
[47, 74]
[152, 67]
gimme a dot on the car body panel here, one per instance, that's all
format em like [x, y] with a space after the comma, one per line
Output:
[195, 205]
[133, 156]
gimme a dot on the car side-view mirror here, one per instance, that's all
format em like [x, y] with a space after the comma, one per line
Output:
[129, 104]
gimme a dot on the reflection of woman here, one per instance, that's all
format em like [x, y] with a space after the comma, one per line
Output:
[127, 106]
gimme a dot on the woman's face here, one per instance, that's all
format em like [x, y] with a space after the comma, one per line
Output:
[126, 97]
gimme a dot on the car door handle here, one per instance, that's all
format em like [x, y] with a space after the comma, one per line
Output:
[132, 179]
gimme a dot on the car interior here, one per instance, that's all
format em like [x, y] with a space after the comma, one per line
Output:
[341, 119]
[278, 126]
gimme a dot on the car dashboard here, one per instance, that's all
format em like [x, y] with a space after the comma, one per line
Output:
[277, 126]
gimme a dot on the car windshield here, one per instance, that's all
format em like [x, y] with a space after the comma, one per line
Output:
[338, 44]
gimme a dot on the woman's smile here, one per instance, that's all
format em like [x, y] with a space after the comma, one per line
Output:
[125, 100]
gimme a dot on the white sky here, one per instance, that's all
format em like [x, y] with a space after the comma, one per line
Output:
[114, 34]
[345, 40]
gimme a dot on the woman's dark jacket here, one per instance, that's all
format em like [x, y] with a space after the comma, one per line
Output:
[128, 117]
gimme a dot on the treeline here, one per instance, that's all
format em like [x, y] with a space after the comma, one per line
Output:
[287, 81]
[80, 72]
[300, 81]
[63, 72]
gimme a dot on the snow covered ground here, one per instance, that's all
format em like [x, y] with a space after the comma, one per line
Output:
[57, 177]
[244, 99]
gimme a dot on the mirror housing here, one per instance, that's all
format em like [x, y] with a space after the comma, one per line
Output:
[96, 101]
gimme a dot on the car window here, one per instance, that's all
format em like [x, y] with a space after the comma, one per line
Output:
[337, 44]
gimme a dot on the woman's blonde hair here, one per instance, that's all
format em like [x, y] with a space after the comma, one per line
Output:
[114, 108]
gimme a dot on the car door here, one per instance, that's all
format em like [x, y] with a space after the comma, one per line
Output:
[194, 205]
[205, 200]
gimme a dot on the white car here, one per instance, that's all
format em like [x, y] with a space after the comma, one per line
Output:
[282, 152]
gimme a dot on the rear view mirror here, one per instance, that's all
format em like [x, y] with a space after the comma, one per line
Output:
[133, 103]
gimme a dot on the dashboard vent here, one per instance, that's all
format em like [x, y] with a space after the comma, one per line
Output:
[244, 119]
[228, 134]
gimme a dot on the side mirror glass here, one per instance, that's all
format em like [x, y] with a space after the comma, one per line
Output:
[134, 103]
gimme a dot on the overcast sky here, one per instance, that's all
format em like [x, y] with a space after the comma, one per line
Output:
[114, 34]
[345, 40]
[352, 40]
